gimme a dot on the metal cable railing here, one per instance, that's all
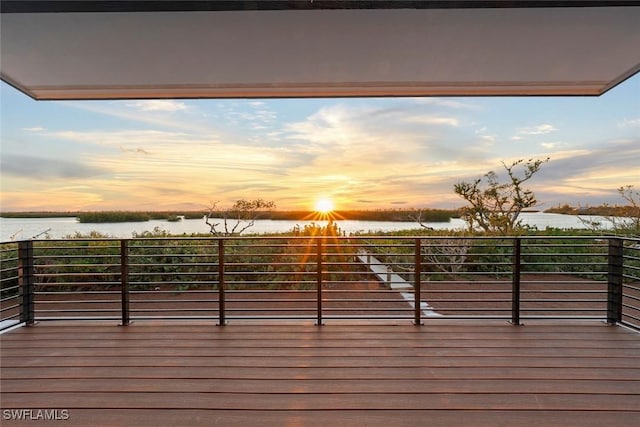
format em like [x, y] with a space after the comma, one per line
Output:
[629, 300]
[564, 277]
[322, 278]
[10, 290]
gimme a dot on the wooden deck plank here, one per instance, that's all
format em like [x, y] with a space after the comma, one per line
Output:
[330, 343]
[413, 372]
[327, 402]
[154, 353]
[279, 331]
[260, 373]
[459, 359]
[321, 362]
[392, 339]
[319, 385]
[369, 418]
[275, 327]
[212, 338]
[443, 373]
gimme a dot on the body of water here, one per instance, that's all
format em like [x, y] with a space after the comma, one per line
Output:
[56, 228]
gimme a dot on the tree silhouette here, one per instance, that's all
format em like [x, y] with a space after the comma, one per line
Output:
[237, 218]
[496, 206]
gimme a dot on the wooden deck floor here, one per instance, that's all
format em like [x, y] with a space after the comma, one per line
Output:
[442, 373]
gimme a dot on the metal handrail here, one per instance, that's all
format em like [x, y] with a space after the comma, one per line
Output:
[322, 278]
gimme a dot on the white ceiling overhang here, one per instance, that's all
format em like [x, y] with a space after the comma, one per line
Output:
[320, 53]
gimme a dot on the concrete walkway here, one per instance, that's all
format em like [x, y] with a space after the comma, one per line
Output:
[385, 274]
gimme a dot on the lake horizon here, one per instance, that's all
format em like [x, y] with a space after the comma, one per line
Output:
[13, 229]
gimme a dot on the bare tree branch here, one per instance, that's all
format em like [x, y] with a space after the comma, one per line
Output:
[417, 216]
[496, 207]
[628, 222]
[239, 217]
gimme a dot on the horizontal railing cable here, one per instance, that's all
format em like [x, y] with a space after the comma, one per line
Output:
[322, 277]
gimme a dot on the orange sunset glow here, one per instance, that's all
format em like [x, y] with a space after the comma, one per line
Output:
[324, 206]
[309, 154]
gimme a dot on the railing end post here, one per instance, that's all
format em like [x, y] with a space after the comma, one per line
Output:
[515, 283]
[124, 281]
[417, 283]
[614, 281]
[26, 279]
[319, 281]
[222, 313]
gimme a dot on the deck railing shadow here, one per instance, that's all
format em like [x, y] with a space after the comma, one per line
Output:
[322, 278]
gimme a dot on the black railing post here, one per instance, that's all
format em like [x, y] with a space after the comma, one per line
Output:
[26, 278]
[614, 280]
[221, 303]
[515, 282]
[124, 280]
[417, 284]
[319, 267]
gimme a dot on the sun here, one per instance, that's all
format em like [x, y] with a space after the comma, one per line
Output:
[324, 205]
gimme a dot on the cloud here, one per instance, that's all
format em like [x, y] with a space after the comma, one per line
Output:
[444, 102]
[363, 153]
[159, 105]
[433, 120]
[34, 129]
[26, 166]
[384, 152]
[135, 112]
[588, 173]
[52, 199]
[486, 139]
[629, 122]
[365, 134]
[490, 139]
[254, 114]
[537, 130]
[550, 145]
[136, 150]
[180, 154]
[542, 129]
[146, 139]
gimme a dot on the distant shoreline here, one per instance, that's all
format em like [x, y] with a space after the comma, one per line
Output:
[393, 215]
[62, 227]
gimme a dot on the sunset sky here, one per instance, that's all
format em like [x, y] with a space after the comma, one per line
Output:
[362, 153]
